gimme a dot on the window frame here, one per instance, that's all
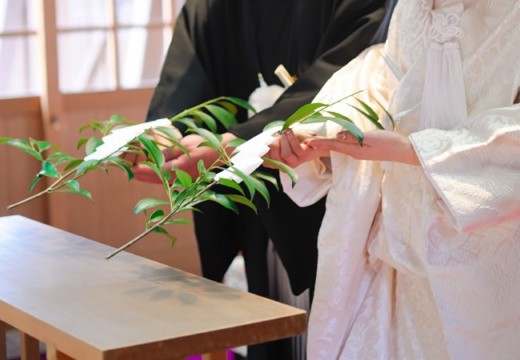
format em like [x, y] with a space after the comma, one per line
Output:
[47, 33]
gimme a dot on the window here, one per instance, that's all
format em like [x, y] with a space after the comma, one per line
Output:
[100, 44]
[18, 49]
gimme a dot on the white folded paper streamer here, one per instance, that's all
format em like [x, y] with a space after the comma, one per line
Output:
[248, 156]
[116, 142]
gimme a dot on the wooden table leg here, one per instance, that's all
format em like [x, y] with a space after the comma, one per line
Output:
[55, 354]
[3, 342]
[216, 355]
[29, 347]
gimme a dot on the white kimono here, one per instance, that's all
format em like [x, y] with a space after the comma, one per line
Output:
[423, 262]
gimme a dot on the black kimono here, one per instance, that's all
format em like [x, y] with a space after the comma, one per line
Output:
[218, 48]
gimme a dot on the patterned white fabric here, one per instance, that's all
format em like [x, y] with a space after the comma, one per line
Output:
[423, 262]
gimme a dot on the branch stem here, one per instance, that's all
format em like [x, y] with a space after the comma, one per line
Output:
[55, 185]
[174, 211]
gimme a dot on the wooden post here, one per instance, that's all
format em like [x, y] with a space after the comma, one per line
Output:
[55, 354]
[29, 347]
[216, 355]
[3, 345]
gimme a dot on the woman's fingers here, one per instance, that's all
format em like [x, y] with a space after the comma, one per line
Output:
[378, 145]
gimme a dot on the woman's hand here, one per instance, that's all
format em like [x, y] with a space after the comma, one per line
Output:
[378, 145]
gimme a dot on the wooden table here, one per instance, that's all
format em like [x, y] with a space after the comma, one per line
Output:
[58, 288]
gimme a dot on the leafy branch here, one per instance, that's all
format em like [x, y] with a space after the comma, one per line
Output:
[148, 141]
[182, 192]
[319, 112]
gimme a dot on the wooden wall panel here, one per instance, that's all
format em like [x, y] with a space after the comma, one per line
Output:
[20, 119]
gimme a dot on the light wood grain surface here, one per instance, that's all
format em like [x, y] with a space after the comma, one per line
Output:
[57, 287]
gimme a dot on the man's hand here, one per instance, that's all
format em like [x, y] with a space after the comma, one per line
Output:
[187, 162]
[289, 149]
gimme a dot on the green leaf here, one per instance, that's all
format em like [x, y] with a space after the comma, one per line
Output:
[221, 200]
[235, 142]
[340, 116]
[82, 192]
[370, 114]
[201, 168]
[72, 164]
[168, 133]
[60, 158]
[241, 200]
[86, 194]
[211, 139]
[229, 106]
[116, 119]
[147, 203]
[314, 118]
[365, 114]
[209, 176]
[390, 117]
[92, 144]
[231, 184]
[245, 179]
[40, 146]
[35, 181]
[156, 215]
[73, 185]
[163, 174]
[81, 142]
[87, 166]
[302, 113]
[177, 144]
[205, 175]
[190, 124]
[242, 103]
[178, 221]
[183, 177]
[161, 230]
[253, 184]
[266, 177]
[206, 119]
[152, 148]
[260, 187]
[367, 108]
[285, 168]
[178, 197]
[351, 128]
[120, 163]
[48, 169]
[24, 146]
[171, 137]
[4, 140]
[100, 126]
[225, 117]
[84, 127]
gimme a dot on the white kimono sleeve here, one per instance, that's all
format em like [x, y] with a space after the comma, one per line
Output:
[313, 183]
[475, 169]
